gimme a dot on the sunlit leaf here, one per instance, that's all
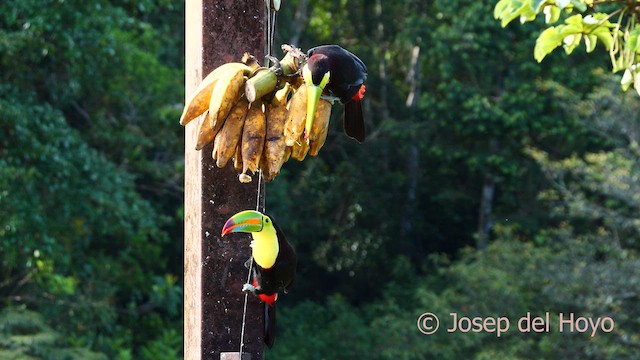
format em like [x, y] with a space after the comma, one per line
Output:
[546, 43]
[537, 4]
[579, 5]
[590, 42]
[605, 37]
[574, 20]
[627, 80]
[527, 15]
[512, 12]
[552, 14]
[500, 7]
[571, 42]
[632, 40]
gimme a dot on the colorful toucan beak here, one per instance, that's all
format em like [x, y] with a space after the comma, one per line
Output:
[313, 96]
[247, 221]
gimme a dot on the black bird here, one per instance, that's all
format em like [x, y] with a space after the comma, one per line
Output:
[343, 75]
[274, 258]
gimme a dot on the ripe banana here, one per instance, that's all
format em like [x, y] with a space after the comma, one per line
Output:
[250, 61]
[300, 149]
[207, 132]
[264, 167]
[237, 158]
[199, 101]
[274, 145]
[287, 153]
[282, 95]
[320, 127]
[228, 90]
[225, 143]
[253, 134]
[294, 126]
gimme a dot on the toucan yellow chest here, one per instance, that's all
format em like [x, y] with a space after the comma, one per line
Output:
[264, 247]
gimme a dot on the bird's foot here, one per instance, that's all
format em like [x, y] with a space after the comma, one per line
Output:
[248, 287]
[330, 98]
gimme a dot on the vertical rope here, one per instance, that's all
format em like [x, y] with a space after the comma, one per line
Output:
[246, 294]
[270, 34]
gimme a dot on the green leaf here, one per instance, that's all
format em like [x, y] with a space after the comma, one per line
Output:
[605, 37]
[590, 42]
[562, 3]
[582, 7]
[632, 41]
[546, 43]
[627, 80]
[618, 64]
[636, 82]
[527, 15]
[500, 7]
[537, 4]
[552, 14]
[571, 42]
[514, 11]
[575, 20]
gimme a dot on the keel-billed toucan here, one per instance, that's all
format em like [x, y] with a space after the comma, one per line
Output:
[343, 74]
[274, 259]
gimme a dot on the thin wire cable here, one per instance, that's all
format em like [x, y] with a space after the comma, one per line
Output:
[244, 309]
[246, 294]
[271, 25]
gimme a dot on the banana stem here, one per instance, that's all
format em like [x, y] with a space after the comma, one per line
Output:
[260, 84]
[289, 65]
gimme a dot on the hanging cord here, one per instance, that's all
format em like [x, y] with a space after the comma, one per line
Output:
[244, 309]
[270, 34]
[246, 294]
[271, 28]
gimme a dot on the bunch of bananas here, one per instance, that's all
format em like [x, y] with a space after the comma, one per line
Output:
[255, 115]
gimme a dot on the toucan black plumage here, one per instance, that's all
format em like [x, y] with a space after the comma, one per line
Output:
[274, 262]
[344, 75]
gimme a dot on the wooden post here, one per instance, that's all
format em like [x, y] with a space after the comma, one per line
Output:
[217, 31]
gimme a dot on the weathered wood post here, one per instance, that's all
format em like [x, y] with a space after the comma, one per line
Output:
[217, 31]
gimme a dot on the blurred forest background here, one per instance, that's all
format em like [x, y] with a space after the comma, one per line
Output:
[489, 185]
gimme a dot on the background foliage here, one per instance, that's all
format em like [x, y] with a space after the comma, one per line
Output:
[489, 185]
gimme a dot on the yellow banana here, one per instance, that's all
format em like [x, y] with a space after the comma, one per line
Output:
[320, 127]
[250, 61]
[299, 149]
[237, 158]
[226, 142]
[253, 133]
[274, 145]
[227, 92]
[199, 101]
[287, 153]
[264, 167]
[197, 104]
[294, 126]
[283, 94]
[206, 133]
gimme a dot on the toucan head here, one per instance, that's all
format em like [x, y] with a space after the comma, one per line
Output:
[264, 247]
[247, 221]
[316, 76]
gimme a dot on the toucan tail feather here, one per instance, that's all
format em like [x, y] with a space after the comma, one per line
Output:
[354, 120]
[269, 324]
